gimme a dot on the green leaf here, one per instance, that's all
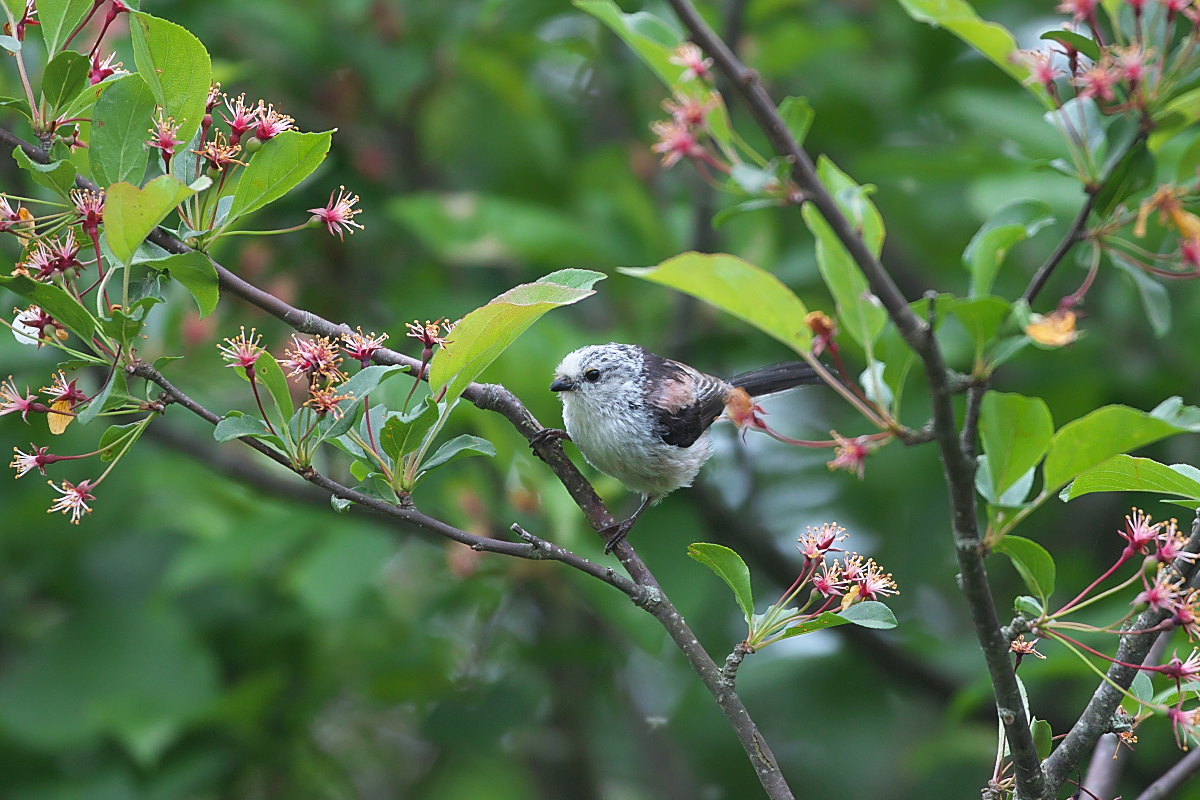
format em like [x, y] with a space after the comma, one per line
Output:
[64, 77]
[1010, 224]
[358, 387]
[653, 39]
[1124, 473]
[798, 115]
[121, 123]
[738, 288]
[1135, 172]
[459, 447]
[1142, 687]
[111, 435]
[1033, 563]
[267, 370]
[870, 614]
[196, 272]
[1156, 300]
[730, 567]
[96, 404]
[18, 104]
[401, 429]
[481, 336]
[175, 65]
[1016, 432]
[236, 426]
[1029, 607]
[57, 176]
[991, 39]
[1074, 40]
[828, 619]
[277, 168]
[55, 301]
[1090, 440]
[131, 214]
[981, 316]
[10, 43]
[1043, 737]
[59, 19]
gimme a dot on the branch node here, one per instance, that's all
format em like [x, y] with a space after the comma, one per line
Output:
[647, 598]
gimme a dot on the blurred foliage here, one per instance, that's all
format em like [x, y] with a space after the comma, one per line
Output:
[201, 638]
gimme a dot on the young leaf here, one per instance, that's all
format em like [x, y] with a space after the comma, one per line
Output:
[1090, 440]
[1156, 300]
[236, 426]
[828, 619]
[175, 65]
[991, 39]
[197, 274]
[1033, 563]
[55, 301]
[121, 121]
[1043, 736]
[59, 18]
[481, 336]
[131, 214]
[730, 568]
[870, 614]
[459, 447]
[267, 370]
[64, 77]
[358, 387]
[738, 288]
[1012, 223]
[798, 115]
[1015, 431]
[647, 35]
[277, 168]
[57, 176]
[400, 429]
[96, 404]
[111, 435]
[1124, 473]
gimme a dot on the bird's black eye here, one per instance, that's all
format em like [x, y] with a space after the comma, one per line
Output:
[592, 375]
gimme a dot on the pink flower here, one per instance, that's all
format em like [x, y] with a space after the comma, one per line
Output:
[315, 358]
[163, 136]
[362, 347]
[1139, 532]
[692, 59]
[690, 111]
[90, 206]
[873, 582]
[271, 123]
[104, 69]
[816, 542]
[1184, 723]
[1164, 593]
[851, 454]
[1182, 670]
[244, 117]
[11, 400]
[1081, 10]
[829, 580]
[1171, 542]
[675, 142]
[1099, 82]
[339, 213]
[74, 499]
[243, 350]
[38, 459]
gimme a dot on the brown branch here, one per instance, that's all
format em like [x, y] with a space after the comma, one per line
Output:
[959, 469]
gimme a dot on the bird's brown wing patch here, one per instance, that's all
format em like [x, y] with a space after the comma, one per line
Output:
[682, 401]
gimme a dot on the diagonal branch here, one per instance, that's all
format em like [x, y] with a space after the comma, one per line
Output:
[958, 467]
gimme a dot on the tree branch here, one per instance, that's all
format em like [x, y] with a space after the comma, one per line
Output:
[1183, 771]
[959, 469]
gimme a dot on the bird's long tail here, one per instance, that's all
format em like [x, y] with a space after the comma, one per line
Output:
[776, 378]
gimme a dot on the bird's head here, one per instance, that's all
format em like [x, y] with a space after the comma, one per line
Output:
[600, 374]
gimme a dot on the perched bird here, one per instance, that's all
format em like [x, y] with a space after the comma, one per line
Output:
[644, 419]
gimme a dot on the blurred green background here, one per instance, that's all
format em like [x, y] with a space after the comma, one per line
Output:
[200, 636]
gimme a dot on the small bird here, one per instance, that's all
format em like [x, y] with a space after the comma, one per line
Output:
[644, 419]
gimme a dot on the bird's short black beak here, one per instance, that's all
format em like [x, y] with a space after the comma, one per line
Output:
[562, 385]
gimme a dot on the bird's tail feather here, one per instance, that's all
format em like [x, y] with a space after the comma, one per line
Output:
[776, 378]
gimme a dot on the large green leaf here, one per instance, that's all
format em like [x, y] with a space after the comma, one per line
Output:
[1010, 224]
[1033, 562]
[459, 447]
[176, 66]
[1093, 439]
[481, 336]
[991, 39]
[1016, 432]
[130, 213]
[121, 123]
[59, 18]
[730, 567]
[650, 37]
[64, 77]
[277, 168]
[736, 287]
[197, 274]
[1124, 473]
[57, 176]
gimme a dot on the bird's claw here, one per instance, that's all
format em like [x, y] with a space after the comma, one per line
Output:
[546, 436]
[615, 534]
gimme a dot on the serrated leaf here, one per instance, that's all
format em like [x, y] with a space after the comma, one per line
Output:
[59, 18]
[277, 168]
[459, 447]
[131, 214]
[64, 77]
[739, 288]
[121, 121]
[1010, 224]
[870, 614]
[175, 66]
[198, 275]
[1016, 432]
[730, 568]
[481, 336]
[1033, 562]
[1124, 473]
[1093, 439]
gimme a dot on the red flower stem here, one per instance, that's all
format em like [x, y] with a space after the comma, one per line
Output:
[1125, 556]
[1054, 634]
[95, 5]
[258, 399]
